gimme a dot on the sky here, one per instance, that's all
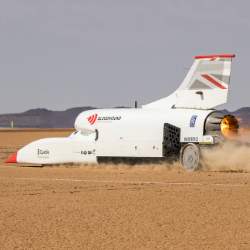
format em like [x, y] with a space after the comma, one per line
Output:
[60, 54]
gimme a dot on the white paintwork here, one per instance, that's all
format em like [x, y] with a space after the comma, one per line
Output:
[58, 150]
[137, 132]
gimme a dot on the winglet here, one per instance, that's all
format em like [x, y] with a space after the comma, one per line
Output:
[12, 159]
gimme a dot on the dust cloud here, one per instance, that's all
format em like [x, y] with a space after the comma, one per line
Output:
[175, 166]
[231, 155]
[164, 166]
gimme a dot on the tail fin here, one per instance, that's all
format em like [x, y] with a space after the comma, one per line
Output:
[205, 86]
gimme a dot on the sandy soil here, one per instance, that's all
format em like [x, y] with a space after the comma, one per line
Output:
[97, 207]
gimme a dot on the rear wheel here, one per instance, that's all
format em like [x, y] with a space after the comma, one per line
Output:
[189, 157]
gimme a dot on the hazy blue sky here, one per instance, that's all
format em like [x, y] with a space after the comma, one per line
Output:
[63, 54]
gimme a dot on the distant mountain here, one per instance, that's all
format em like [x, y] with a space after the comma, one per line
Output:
[44, 118]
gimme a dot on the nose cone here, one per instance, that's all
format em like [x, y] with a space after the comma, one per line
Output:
[12, 159]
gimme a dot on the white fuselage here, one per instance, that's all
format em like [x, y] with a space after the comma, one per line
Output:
[116, 133]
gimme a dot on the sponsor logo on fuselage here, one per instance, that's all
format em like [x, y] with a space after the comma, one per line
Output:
[192, 121]
[191, 139]
[87, 152]
[42, 152]
[93, 118]
[109, 118]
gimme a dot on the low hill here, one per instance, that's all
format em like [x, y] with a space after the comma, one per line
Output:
[44, 118]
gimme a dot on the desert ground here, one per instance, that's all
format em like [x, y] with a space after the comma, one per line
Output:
[120, 207]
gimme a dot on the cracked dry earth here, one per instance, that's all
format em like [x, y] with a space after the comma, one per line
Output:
[97, 207]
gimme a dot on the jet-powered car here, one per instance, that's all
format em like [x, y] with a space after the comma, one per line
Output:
[179, 125]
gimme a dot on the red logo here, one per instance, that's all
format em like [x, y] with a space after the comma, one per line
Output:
[92, 119]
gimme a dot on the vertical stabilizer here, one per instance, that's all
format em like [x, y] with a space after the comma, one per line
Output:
[204, 87]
